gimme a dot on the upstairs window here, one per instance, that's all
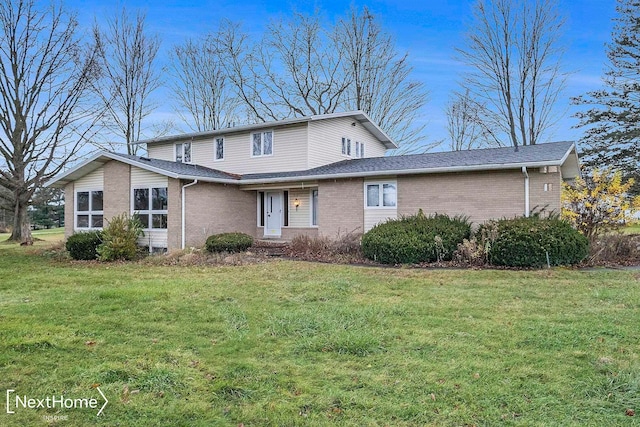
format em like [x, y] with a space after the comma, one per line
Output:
[219, 149]
[262, 143]
[381, 195]
[89, 209]
[183, 152]
[150, 205]
[359, 149]
[346, 147]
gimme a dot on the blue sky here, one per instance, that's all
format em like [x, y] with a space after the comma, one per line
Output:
[428, 30]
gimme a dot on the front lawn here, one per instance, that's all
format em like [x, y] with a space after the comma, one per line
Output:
[290, 343]
[50, 235]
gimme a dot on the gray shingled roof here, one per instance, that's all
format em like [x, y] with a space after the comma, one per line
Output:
[180, 169]
[541, 153]
[492, 158]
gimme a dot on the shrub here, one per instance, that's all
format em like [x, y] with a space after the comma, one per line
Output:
[229, 242]
[84, 246]
[525, 242]
[414, 239]
[120, 238]
[600, 203]
[345, 247]
[615, 249]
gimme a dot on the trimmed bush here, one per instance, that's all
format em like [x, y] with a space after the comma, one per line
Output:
[84, 246]
[525, 242]
[229, 242]
[414, 239]
[120, 238]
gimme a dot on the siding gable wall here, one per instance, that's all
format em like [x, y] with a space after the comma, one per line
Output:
[325, 140]
[289, 151]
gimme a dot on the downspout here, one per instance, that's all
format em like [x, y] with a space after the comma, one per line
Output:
[526, 192]
[183, 217]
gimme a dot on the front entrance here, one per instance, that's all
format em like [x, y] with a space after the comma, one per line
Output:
[273, 214]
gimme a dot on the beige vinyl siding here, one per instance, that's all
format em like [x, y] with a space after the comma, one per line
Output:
[289, 152]
[325, 140]
[375, 216]
[299, 218]
[91, 181]
[154, 238]
[164, 151]
[142, 178]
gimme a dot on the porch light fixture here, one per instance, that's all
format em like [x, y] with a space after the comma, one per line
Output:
[296, 203]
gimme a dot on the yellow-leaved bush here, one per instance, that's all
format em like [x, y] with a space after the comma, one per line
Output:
[600, 203]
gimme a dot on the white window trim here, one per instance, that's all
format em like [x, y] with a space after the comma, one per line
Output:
[348, 147]
[89, 213]
[311, 224]
[175, 149]
[215, 149]
[273, 143]
[380, 184]
[150, 211]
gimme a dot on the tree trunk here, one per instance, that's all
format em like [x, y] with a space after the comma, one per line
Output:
[21, 231]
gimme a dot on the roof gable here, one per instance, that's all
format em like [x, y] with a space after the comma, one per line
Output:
[360, 116]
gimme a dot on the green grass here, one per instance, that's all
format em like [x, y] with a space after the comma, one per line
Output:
[51, 235]
[291, 343]
[632, 228]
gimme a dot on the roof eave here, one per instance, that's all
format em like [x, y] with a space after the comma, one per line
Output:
[416, 171]
[361, 116]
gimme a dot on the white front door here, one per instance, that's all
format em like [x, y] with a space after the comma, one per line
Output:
[273, 207]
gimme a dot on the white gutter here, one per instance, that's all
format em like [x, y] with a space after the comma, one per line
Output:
[183, 218]
[526, 191]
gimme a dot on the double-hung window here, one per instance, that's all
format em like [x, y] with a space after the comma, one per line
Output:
[219, 149]
[262, 143]
[183, 152]
[150, 205]
[359, 149]
[346, 146]
[381, 195]
[89, 209]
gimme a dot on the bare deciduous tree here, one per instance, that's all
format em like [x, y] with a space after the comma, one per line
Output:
[512, 49]
[301, 68]
[128, 75]
[379, 77]
[45, 75]
[295, 70]
[202, 87]
[465, 124]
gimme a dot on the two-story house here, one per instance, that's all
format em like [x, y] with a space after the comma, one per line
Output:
[325, 174]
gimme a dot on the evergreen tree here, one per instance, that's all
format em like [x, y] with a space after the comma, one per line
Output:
[612, 137]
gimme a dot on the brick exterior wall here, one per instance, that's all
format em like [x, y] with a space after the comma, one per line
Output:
[340, 206]
[218, 208]
[549, 200]
[481, 196]
[69, 204]
[174, 214]
[117, 189]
